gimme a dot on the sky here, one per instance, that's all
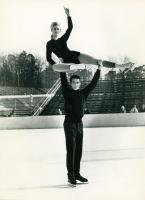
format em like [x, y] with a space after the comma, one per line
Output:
[102, 28]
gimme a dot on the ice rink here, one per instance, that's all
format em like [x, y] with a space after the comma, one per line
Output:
[32, 165]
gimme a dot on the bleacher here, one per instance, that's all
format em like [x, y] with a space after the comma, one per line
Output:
[21, 90]
[107, 97]
[18, 106]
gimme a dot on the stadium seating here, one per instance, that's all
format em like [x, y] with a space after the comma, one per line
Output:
[107, 97]
[18, 106]
[21, 90]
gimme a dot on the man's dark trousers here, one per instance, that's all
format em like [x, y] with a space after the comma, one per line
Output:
[74, 144]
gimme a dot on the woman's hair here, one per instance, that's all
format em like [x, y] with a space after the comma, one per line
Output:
[54, 24]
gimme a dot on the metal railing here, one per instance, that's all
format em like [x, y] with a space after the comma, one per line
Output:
[45, 100]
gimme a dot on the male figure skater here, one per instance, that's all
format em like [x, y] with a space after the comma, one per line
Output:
[75, 99]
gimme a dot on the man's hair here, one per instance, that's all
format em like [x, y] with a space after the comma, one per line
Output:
[74, 77]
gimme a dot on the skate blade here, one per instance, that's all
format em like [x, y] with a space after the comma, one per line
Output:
[77, 67]
[71, 185]
[82, 183]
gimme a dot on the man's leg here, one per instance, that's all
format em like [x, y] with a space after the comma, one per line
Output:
[78, 152]
[79, 147]
[70, 136]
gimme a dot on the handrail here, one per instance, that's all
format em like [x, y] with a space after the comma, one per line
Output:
[42, 103]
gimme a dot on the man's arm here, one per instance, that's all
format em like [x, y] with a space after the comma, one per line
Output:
[92, 84]
[64, 83]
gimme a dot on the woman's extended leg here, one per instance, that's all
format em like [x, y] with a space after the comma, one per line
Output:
[87, 59]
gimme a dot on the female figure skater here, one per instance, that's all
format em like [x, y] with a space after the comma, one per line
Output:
[59, 47]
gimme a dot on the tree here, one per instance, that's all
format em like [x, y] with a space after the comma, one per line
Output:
[12, 62]
[29, 69]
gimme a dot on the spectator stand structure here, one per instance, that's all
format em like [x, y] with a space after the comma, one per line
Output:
[107, 97]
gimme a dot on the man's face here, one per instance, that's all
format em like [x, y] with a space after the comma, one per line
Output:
[75, 83]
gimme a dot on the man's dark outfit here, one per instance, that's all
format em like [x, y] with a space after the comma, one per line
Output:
[74, 110]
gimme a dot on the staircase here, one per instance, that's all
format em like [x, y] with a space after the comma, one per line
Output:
[44, 101]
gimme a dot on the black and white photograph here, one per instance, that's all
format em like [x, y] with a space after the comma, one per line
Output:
[72, 99]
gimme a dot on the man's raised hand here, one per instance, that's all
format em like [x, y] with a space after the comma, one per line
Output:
[100, 64]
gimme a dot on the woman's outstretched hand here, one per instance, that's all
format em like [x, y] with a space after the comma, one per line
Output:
[67, 11]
